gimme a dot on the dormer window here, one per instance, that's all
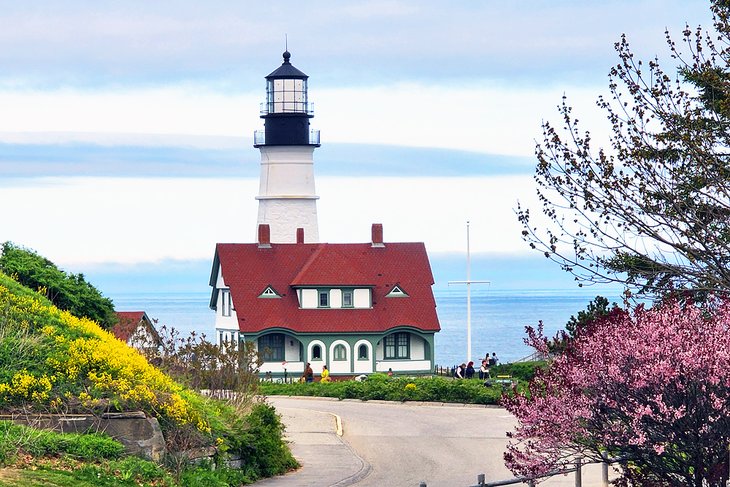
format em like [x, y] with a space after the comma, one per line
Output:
[324, 298]
[334, 298]
[347, 301]
[269, 293]
[396, 292]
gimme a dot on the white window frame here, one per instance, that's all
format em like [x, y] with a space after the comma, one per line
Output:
[226, 302]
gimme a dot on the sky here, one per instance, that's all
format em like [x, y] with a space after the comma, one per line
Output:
[126, 127]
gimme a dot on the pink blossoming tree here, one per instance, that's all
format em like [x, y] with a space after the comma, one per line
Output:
[650, 386]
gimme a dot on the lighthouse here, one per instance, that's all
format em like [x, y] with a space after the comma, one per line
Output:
[356, 308]
[287, 198]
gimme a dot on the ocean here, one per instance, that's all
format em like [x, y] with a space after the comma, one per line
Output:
[498, 318]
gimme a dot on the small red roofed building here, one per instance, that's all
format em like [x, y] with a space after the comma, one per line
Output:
[137, 330]
[357, 308]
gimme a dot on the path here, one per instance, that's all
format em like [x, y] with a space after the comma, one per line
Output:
[388, 444]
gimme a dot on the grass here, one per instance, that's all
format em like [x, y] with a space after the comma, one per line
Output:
[17, 440]
[130, 472]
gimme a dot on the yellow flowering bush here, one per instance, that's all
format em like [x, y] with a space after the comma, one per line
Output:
[54, 361]
[89, 362]
[27, 387]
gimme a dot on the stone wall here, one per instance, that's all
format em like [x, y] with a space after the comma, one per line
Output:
[139, 434]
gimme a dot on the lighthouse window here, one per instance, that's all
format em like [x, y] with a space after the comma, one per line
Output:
[289, 95]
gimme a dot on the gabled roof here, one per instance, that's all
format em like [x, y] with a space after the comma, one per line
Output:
[128, 323]
[247, 269]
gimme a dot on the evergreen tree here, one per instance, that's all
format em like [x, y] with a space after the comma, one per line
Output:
[70, 292]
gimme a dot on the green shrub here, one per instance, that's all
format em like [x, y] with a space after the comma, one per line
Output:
[523, 371]
[263, 449]
[220, 477]
[382, 387]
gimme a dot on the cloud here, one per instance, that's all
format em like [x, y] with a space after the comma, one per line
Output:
[235, 157]
[491, 118]
[130, 220]
[51, 44]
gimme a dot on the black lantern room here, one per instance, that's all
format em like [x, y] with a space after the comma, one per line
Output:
[287, 110]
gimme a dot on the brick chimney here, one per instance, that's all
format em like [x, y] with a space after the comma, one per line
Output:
[300, 235]
[264, 236]
[377, 233]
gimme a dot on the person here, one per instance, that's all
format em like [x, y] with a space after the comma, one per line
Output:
[459, 372]
[484, 370]
[325, 374]
[390, 372]
[493, 359]
[308, 375]
[469, 370]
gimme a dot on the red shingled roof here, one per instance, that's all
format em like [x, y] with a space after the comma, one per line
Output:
[127, 324]
[248, 269]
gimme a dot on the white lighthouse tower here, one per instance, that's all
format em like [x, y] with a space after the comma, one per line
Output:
[287, 200]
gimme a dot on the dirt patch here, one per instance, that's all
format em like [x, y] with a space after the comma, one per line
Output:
[9, 474]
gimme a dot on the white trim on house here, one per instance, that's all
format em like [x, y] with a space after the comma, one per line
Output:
[219, 283]
[417, 347]
[402, 365]
[340, 366]
[335, 298]
[361, 298]
[361, 366]
[226, 336]
[323, 348]
[308, 298]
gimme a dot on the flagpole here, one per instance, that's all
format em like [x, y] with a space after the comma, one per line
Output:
[468, 296]
[468, 283]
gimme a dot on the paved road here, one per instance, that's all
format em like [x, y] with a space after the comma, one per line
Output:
[385, 444]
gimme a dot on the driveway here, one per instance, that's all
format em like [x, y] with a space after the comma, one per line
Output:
[385, 444]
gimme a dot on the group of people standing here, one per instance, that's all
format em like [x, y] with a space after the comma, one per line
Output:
[467, 371]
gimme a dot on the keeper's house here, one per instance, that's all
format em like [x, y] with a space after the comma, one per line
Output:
[357, 308]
